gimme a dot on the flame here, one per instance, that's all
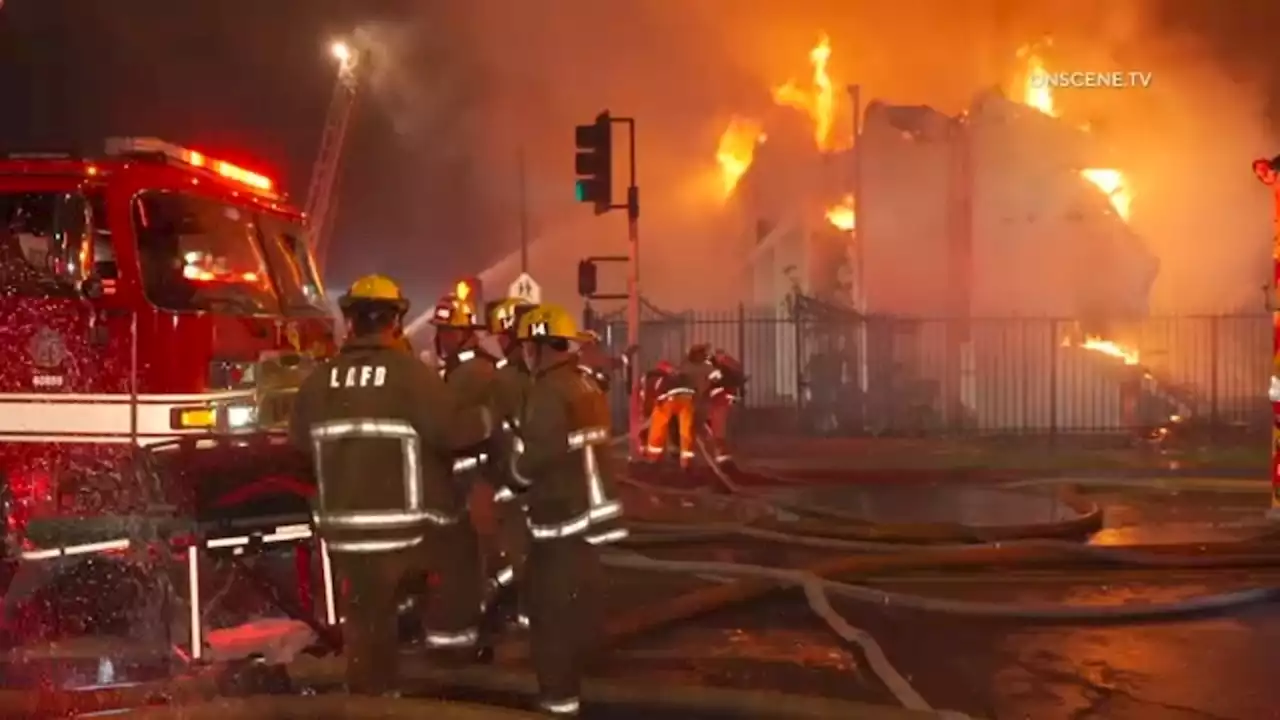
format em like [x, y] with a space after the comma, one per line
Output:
[1114, 185]
[1110, 181]
[737, 149]
[1035, 94]
[1129, 355]
[842, 216]
[819, 101]
[462, 290]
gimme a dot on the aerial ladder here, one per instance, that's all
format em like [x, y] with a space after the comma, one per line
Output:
[321, 205]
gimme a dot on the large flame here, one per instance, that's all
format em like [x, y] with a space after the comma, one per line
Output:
[1036, 93]
[1129, 355]
[1114, 185]
[842, 216]
[737, 149]
[818, 102]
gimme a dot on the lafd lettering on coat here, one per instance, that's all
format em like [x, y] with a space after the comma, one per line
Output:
[358, 376]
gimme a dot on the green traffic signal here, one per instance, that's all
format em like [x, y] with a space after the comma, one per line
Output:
[580, 191]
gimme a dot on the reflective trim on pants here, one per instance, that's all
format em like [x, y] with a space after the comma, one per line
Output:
[566, 707]
[460, 639]
[608, 536]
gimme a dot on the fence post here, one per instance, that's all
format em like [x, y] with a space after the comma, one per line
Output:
[1055, 350]
[742, 332]
[1214, 368]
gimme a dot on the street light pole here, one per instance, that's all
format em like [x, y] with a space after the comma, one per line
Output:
[524, 214]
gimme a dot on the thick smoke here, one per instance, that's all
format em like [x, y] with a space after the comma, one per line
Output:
[472, 86]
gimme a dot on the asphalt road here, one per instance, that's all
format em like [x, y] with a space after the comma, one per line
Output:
[1215, 667]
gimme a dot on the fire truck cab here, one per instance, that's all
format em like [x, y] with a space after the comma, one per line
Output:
[152, 297]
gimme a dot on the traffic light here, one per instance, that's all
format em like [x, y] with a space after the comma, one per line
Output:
[587, 281]
[594, 163]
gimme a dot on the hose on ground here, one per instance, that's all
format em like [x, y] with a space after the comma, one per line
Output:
[817, 520]
[709, 599]
[814, 590]
[1199, 605]
[1166, 556]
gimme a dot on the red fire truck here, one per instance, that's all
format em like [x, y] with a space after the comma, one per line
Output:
[152, 298]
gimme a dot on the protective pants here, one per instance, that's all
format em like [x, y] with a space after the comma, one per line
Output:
[718, 426]
[565, 584]
[369, 607]
[507, 586]
[452, 554]
[664, 409]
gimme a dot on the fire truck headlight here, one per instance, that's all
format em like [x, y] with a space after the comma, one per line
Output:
[240, 417]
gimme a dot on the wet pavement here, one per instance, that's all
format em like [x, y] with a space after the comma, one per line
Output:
[1213, 667]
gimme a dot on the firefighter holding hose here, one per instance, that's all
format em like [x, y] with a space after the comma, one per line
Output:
[562, 456]
[381, 431]
[680, 394]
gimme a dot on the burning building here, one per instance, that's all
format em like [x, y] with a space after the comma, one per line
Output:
[1005, 210]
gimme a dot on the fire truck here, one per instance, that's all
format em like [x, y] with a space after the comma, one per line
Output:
[160, 307]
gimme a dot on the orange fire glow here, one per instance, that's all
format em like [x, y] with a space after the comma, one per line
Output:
[842, 215]
[1037, 94]
[736, 150]
[818, 101]
[1129, 355]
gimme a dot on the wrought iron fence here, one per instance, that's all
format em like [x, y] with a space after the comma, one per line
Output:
[832, 371]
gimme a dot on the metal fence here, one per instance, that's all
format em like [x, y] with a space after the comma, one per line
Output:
[832, 371]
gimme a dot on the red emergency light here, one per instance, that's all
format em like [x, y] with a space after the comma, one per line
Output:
[259, 184]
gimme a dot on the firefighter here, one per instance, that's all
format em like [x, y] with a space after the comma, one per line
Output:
[472, 372]
[563, 459]
[380, 429]
[512, 379]
[597, 364]
[727, 386]
[672, 396]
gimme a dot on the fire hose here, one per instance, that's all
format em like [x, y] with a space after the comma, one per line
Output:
[816, 585]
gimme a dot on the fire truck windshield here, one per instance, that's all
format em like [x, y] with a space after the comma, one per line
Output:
[42, 241]
[203, 254]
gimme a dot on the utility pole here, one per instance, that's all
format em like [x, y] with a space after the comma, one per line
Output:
[524, 214]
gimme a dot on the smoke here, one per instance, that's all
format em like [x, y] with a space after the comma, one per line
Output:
[472, 87]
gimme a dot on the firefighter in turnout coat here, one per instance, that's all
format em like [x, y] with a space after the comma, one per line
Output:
[562, 456]
[381, 429]
[511, 383]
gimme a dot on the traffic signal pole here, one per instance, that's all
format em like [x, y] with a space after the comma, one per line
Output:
[594, 167]
[634, 413]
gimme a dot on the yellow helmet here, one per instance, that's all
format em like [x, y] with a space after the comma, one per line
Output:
[505, 314]
[374, 289]
[548, 321]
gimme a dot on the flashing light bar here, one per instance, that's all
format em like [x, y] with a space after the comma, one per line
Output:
[194, 158]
